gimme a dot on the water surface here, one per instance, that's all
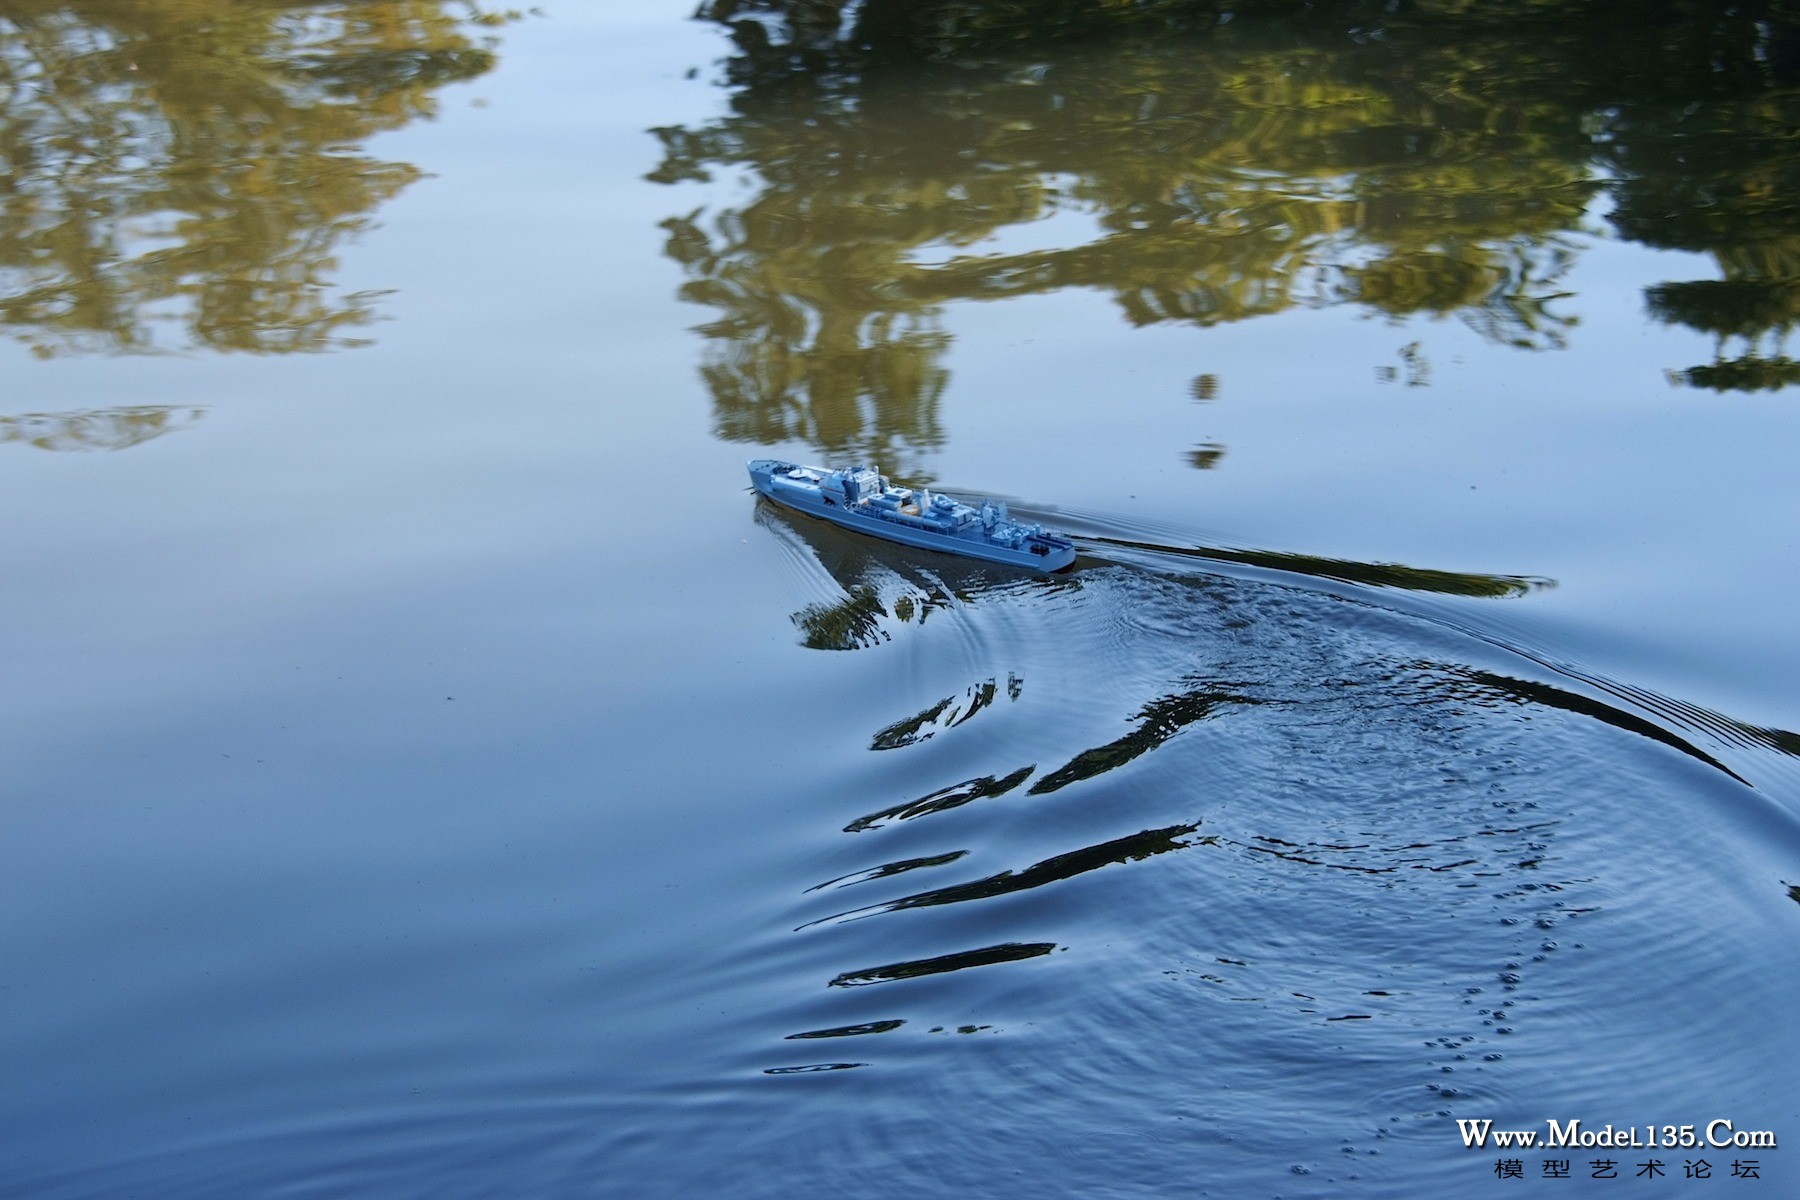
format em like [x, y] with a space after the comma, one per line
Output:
[432, 773]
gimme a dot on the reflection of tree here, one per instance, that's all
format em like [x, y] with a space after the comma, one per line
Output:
[1720, 180]
[100, 429]
[1224, 178]
[803, 355]
[1750, 373]
[1427, 158]
[199, 161]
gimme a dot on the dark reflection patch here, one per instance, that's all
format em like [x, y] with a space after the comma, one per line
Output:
[1382, 575]
[1750, 373]
[853, 623]
[954, 796]
[888, 870]
[945, 714]
[1159, 721]
[1051, 870]
[944, 963]
[849, 1030]
[1528, 692]
[912, 729]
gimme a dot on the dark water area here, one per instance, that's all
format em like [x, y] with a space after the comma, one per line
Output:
[430, 771]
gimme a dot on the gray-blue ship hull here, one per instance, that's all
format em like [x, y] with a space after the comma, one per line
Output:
[861, 500]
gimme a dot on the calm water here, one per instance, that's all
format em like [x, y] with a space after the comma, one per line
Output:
[431, 774]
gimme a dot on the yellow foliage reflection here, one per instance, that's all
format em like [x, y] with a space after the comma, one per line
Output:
[1214, 162]
[182, 172]
[97, 429]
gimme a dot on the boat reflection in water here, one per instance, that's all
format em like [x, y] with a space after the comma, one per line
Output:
[884, 582]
